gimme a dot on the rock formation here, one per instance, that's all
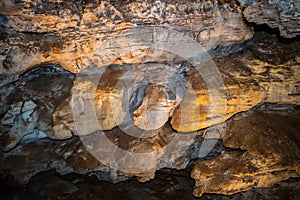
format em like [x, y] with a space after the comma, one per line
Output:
[83, 34]
[120, 89]
[261, 155]
[283, 15]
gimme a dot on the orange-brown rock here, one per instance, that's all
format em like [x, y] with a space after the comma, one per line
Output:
[180, 91]
[263, 150]
[106, 88]
[249, 79]
[80, 35]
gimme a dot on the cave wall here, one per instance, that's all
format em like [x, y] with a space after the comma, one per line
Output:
[162, 80]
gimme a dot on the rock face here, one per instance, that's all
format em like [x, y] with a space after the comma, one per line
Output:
[251, 78]
[83, 34]
[27, 104]
[264, 151]
[120, 89]
[162, 147]
[178, 90]
[74, 155]
[283, 15]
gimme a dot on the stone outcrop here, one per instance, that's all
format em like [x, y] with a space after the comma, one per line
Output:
[27, 104]
[249, 72]
[283, 15]
[74, 155]
[84, 34]
[264, 150]
[77, 35]
[180, 91]
[120, 89]
[249, 79]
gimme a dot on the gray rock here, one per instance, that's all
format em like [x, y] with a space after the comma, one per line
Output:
[284, 15]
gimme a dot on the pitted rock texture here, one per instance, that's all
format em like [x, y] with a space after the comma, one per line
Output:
[284, 15]
[82, 34]
[77, 73]
[264, 151]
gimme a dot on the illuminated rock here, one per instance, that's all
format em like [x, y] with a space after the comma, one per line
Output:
[114, 89]
[264, 151]
[81, 35]
[249, 79]
[179, 91]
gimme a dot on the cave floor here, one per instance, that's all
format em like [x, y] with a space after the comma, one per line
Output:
[168, 184]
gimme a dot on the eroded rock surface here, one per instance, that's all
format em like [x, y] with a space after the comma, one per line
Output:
[283, 15]
[82, 155]
[179, 90]
[120, 97]
[256, 75]
[107, 88]
[264, 151]
[27, 104]
[81, 34]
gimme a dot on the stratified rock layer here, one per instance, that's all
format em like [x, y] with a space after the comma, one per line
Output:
[156, 91]
[165, 149]
[284, 15]
[78, 35]
[262, 73]
[264, 150]
[140, 71]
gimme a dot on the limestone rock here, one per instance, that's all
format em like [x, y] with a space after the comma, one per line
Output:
[264, 151]
[283, 15]
[164, 149]
[199, 110]
[78, 35]
[138, 86]
[249, 79]
[43, 155]
[63, 121]
[28, 102]
[245, 79]
[23, 118]
[165, 91]
[106, 95]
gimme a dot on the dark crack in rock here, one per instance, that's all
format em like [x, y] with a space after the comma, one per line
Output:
[28, 103]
